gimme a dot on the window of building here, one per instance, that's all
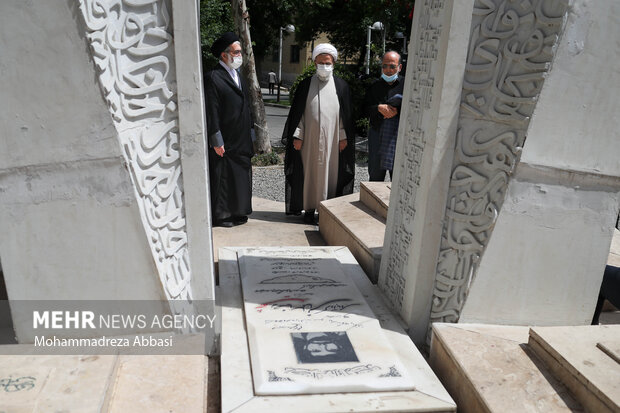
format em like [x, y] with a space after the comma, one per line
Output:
[294, 53]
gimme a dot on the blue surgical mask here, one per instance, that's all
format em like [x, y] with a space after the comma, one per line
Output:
[389, 79]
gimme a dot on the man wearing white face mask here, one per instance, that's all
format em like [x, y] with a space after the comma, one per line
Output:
[382, 105]
[230, 134]
[320, 139]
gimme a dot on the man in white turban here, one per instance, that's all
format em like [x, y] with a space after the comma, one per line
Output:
[320, 138]
[325, 48]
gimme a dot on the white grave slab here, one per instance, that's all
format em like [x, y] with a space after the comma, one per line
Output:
[310, 329]
[238, 392]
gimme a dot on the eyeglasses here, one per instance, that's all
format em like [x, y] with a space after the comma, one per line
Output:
[389, 66]
[235, 52]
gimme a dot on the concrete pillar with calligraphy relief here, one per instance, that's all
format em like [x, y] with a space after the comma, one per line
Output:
[104, 180]
[482, 77]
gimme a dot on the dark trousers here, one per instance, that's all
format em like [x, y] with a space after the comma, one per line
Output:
[610, 290]
[272, 88]
[375, 172]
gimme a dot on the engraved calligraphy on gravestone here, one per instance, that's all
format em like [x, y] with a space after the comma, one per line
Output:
[310, 329]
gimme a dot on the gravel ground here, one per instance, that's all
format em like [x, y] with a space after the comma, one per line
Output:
[268, 181]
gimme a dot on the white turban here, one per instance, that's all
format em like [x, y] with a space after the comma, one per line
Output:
[325, 48]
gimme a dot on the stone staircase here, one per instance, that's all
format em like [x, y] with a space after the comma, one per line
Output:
[496, 368]
[357, 221]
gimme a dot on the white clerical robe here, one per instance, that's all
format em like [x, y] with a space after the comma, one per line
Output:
[320, 129]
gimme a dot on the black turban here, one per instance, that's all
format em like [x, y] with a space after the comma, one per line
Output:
[223, 42]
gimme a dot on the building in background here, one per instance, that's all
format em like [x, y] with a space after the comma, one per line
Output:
[295, 58]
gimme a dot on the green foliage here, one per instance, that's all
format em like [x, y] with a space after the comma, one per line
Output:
[266, 159]
[215, 19]
[346, 23]
[361, 158]
[362, 125]
[266, 18]
[308, 71]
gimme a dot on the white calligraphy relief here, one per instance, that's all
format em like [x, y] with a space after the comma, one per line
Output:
[423, 64]
[510, 51]
[132, 47]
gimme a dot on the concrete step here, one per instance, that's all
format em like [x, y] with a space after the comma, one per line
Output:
[490, 368]
[155, 383]
[348, 222]
[586, 359]
[376, 196]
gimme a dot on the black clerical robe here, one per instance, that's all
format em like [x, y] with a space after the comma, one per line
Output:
[293, 167]
[229, 123]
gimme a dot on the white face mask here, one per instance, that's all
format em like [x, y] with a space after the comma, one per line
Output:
[234, 62]
[324, 71]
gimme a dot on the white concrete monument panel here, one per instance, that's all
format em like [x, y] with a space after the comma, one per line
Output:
[582, 92]
[455, 156]
[425, 148]
[96, 206]
[510, 51]
[68, 217]
[310, 329]
[544, 263]
[132, 47]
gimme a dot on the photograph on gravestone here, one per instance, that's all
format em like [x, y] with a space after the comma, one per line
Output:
[325, 347]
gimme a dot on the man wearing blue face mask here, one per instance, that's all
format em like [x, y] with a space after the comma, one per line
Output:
[382, 105]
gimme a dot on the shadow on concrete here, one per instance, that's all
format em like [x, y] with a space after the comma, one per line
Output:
[276, 216]
[560, 389]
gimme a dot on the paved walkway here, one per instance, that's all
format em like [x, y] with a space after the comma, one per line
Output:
[268, 226]
[276, 118]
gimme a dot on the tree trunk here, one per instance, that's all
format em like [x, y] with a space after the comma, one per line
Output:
[242, 23]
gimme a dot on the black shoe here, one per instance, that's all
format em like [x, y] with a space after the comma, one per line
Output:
[309, 217]
[239, 220]
[223, 223]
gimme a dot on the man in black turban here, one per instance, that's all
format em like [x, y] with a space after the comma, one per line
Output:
[230, 135]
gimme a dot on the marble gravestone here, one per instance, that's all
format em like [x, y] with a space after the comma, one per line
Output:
[310, 329]
[263, 334]
[485, 225]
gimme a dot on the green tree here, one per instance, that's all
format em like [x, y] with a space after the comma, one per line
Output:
[241, 17]
[346, 23]
[267, 18]
[215, 19]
